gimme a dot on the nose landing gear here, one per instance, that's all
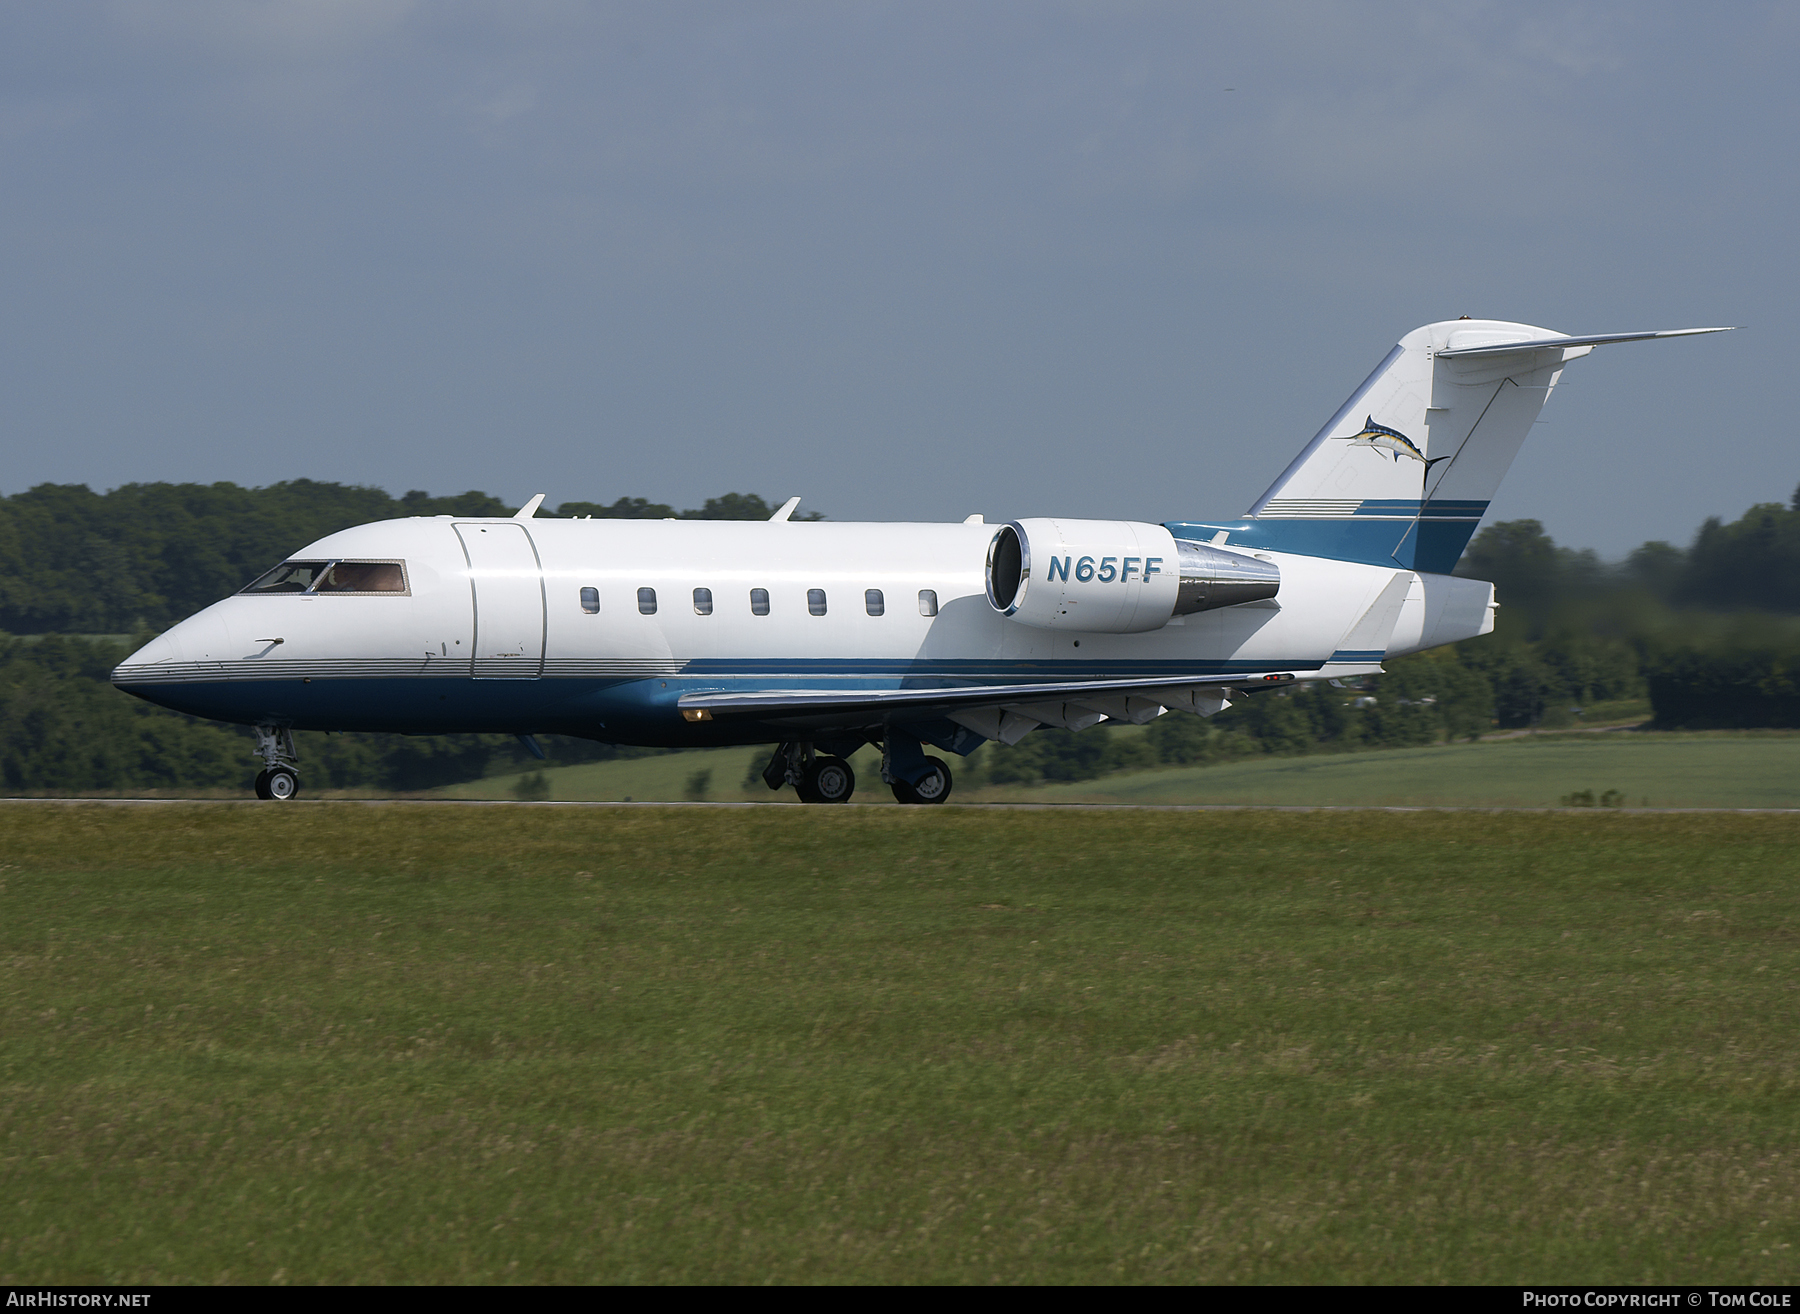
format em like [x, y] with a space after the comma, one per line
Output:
[279, 779]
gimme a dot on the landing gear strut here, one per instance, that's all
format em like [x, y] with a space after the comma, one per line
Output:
[279, 779]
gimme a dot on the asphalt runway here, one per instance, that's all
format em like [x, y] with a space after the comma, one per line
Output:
[967, 807]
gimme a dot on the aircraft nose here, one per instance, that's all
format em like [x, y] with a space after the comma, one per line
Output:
[182, 668]
[176, 653]
[159, 650]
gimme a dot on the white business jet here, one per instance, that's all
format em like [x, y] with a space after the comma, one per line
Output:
[823, 637]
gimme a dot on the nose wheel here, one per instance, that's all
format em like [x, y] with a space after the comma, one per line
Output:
[278, 780]
[281, 783]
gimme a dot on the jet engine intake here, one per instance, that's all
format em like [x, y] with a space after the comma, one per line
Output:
[1114, 576]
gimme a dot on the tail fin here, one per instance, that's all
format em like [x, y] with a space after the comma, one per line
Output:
[1404, 472]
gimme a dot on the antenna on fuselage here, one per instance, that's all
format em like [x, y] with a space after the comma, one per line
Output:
[786, 510]
[529, 510]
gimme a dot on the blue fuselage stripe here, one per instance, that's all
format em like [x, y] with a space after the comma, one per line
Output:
[623, 710]
[1432, 543]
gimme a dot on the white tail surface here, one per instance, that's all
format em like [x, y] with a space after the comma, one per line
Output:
[1405, 470]
[1415, 415]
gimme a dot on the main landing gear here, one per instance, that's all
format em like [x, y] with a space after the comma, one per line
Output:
[815, 779]
[931, 788]
[279, 779]
[912, 776]
[827, 780]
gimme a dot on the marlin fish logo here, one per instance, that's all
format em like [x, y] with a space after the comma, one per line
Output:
[1391, 440]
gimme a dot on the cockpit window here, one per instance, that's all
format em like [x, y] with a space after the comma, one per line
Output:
[362, 577]
[289, 577]
[333, 577]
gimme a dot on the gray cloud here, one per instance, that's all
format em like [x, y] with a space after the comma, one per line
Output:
[909, 260]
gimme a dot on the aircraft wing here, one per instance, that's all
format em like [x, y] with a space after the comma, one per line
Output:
[994, 710]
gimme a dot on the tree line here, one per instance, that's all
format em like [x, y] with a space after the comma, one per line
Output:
[1712, 631]
[144, 556]
[1709, 635]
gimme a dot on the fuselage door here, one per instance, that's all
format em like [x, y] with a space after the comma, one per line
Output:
[508, 585]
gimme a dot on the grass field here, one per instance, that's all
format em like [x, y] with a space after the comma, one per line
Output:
[1745, 769]
[1687, 769]
[414, 1042]
[664, 778]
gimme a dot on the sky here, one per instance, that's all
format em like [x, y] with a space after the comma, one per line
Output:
[908, 260]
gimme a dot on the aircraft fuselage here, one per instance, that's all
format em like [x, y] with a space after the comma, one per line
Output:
[597, 627]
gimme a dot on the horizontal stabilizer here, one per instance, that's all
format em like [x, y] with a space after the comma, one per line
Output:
[1591, 340]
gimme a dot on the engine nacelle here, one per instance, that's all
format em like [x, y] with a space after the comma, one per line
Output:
[1114, 576]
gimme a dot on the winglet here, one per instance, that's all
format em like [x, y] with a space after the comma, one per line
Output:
[529, 510]
[786, 510]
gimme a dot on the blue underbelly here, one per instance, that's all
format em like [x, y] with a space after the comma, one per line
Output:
[628, 711]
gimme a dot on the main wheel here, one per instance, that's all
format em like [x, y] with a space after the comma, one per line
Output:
[281, 784]
[934, 788]
[827, 780]
[262, 784]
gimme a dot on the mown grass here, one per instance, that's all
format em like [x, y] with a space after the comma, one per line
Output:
[667, 778]
[343, 1042]
[1686, 769]
[1758, 768]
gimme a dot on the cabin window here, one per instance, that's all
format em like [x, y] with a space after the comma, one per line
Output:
[815, 601]
[647, 602]
[702, 602]
[315, 577]
[873, 602]
[927, 602]
[759, 602]
[590, 600]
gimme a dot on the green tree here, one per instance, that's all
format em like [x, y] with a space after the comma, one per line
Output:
[1657, 567]
[1533, 578]
[1459, 697]
[741, 506]
[732, 506]
[147, 555]
[1752, 562]
[626, 508]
